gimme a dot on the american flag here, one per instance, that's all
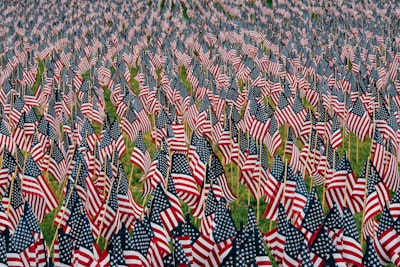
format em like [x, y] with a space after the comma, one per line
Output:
[140, 156]
[184, 181]
[84, 250]
[352, 251]
[275, 239]
[323, 250]
[63, 248]
[223, 234]
[385, 243]
[358, 120]
[377, 196]
[36, 190]
[370, 257]
[28, 238]
[157, 171]
[293, 243]
[314, 216]
[107, 219]
[274, 190]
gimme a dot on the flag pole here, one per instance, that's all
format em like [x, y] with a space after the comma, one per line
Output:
[11, 189]
[238, 169]
[131, 176]
[284, 183]
[66, 205]
[105, 176]
[308, 152]
[345, 192]
[365, 200]
[49, 161]
[259, 183]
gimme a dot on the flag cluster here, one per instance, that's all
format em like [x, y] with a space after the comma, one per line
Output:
[182, 90]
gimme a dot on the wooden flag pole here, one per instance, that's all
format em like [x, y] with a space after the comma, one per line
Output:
[130, 177]
[248, 197]
[70, 160]
[95, 162]
[357, 140]
[345, 195]
[315, 150]
[284, 183]
[308, 153]
[365, 200]
[11, 189]
[259, 183]
[66, 205]
[286, 139]
[23, 169]
[325, 173]
[105, 176]
[238, 169]
[2, 155]
[49, 161]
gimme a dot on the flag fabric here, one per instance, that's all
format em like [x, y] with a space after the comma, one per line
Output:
[184, 181]
[74, 84]
[28, 241]
[37, 191]
[140, 155]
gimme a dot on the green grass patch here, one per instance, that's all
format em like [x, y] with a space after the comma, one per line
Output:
[183, 76]
[110, 108]
[39, 75]
[133, 83]
[349, 65]
[184, 9]
[86, 75]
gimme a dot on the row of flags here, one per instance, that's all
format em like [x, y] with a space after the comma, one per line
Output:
[213, 87]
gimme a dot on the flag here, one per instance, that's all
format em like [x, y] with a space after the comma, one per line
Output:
[28, 240]
[386, 239]
[84, 252]
[140, 156]
[63, 249]
[273, 139]
[57, 165]
[352, 250]
[358, 120]
[117, 138]
[293, 150]
[165, 210]
[370, 257]
[335, 136]
[107, 219]
[275, 239]
[223, 234]
[314, 216]
[376, 198]
[137, 247]
[128, 208]
[37, 191]
[293, 244]
[185, 183]
[176, 138]
[274, 188]
[299, 115]
[323, 250]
